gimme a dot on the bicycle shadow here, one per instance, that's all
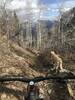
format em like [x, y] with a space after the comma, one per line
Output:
[16, 93]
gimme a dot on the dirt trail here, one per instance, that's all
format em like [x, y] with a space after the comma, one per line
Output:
[14, 60]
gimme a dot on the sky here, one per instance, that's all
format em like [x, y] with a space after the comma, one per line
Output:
[54, 5]
[49, 8]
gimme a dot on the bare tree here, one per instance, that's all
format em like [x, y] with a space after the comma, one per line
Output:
[3, 19]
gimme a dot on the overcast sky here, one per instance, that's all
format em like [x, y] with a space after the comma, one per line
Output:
[52, 6]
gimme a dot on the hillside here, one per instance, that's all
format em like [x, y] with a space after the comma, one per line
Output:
[14, 60]
[67, 23]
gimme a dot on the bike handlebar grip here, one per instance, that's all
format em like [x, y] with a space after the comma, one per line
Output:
[38, 79]
[14, 78]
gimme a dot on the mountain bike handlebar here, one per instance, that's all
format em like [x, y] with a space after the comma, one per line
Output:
[36, 79]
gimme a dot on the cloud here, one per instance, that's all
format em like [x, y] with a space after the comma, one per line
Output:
[69, 4]
[50, 15]
[20, 4]
[52, 10]
[16, 4]
[34, 3]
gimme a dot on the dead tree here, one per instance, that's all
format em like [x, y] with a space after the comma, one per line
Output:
[3, 19]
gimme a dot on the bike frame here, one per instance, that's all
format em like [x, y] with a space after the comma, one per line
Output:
[7, 78]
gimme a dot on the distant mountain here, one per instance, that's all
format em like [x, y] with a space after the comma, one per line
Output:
[47, 23]
[45, 26]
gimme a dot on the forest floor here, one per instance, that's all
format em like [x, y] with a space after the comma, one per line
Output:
[14, 60]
